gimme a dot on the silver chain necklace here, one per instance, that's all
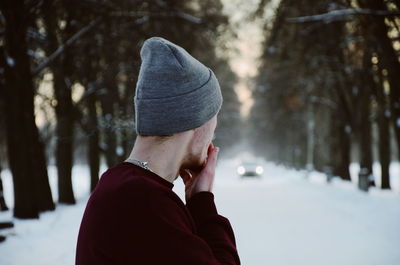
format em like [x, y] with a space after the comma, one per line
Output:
[139, 163]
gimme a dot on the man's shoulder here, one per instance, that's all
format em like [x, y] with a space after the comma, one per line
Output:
[128, 181]
[119, 193]
[124, 179]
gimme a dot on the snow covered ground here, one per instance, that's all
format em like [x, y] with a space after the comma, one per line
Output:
[286, 217]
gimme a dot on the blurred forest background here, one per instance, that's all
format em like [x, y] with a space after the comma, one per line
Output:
[328, 88]
[326, 92]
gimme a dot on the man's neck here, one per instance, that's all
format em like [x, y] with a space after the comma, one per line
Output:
[164, 159]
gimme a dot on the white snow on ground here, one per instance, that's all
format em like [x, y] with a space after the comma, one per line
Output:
[285, 217]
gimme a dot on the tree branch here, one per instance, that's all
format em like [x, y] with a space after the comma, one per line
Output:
[342, 15]
[141, 18]
[68, 43]
[146, 15]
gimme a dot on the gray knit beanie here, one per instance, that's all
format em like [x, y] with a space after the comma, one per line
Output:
[174, 91]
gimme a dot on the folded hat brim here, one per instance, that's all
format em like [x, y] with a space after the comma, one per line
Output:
[190, 110]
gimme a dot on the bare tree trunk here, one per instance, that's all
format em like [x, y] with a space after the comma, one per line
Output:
[343, 126]
[93, 134]
[109, 131]
[344, 136]
[3, 205]
[384, 133]
[127, 112]
[365, 178]
[94, 150]
[378, 31]
[108, 101]
[63, 108]
[384, 147]
[363, 121]
[89, 80]
[26, 156]
[310, 138]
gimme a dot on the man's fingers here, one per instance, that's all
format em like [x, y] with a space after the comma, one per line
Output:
[185, 175]
[212, 159]
[210, 149]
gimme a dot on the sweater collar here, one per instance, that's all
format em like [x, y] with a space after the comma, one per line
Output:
[152, 175]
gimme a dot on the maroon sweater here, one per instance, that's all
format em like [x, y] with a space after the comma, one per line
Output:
[134, 217]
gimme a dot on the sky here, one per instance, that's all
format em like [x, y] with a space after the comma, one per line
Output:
[247, 46]
[244, 61]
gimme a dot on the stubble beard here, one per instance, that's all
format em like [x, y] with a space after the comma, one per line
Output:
[194, 163]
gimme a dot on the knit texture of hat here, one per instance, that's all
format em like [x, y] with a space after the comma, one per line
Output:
[174, 92]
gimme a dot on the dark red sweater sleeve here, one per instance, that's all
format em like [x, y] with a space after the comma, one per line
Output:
[213, 228]
[181, 235]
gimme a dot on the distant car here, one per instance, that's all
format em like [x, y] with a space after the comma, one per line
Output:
[250, 169]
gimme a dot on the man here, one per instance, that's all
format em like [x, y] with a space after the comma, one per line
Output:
[133, 216]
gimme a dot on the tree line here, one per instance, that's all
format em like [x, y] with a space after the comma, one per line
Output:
[328, 89]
